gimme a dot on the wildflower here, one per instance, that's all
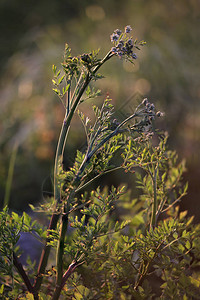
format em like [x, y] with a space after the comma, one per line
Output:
[159, 114]
[130, 42]
[133, 55]
[120, 44]
[118, 32]
[120, 54]
[114, 49]
[128, 29]
[114, 37]
[124, 50]
[123, 45]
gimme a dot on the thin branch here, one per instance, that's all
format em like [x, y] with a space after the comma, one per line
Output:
[101, 143]
[144, 273]
[77, 86]
[155, 204]
[66, 275]
[60, 249]
[79, 206]
[45, 253]
[68, 95]
[69, 271]
[10, 174]
[175, 201]
[96, 177]
[24, 276]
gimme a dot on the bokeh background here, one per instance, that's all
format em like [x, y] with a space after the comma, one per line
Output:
[33, 36]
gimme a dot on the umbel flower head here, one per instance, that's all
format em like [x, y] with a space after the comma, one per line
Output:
[147, 113]
[123, 44]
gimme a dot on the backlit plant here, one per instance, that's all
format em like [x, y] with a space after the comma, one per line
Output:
[150, 250]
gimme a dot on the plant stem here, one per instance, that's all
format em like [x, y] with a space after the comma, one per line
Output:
[154, 208]
[81, 187]
[24, 276]
[146, 268]
[67, 274]
[60, 249]
[89, 153]
[45, 253]
[10, 175]
[67, 122]
[63, 138]
[69, 271]
[59, 155]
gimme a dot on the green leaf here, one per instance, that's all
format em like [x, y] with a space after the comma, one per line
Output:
[195, 282]
[54, 68]
[137, 220]
[183, 214]
[56, 91]
[190, 220]
[1, 289]
[188, 245]
[29, 296]
[83, 220]
[60, 80]
[27, 219]
[181, 248]
[175, 235]
[88, 91]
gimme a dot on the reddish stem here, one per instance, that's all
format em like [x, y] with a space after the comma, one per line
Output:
[24, 276]
[45, 253]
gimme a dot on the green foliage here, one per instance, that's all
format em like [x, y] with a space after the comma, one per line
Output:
[10, 227]
[108, 244]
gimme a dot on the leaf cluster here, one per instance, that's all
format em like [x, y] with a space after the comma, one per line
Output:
[10, 227]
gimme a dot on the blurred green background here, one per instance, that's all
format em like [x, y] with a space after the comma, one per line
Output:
[33, 35]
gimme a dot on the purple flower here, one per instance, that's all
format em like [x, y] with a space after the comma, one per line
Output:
[128, 29]
[123, 45]
[120, 44]
[118, 32]
[120, 54]
[124, 50]
[134, 56]
[114, 49]
[114, 37]
[129, 48]
[130, 42]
